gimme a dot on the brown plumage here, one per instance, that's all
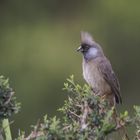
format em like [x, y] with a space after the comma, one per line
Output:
[97, 70]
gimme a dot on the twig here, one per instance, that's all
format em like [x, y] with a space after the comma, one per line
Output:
[36, 133]
[66, 127]
[9, 99]
[74, 114]
[84, 116]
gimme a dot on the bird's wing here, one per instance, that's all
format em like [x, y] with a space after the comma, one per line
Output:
[110, 77]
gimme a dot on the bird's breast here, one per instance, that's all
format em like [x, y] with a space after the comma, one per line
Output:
[94, 77]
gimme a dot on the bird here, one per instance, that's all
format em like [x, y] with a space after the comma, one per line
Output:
[97, 70]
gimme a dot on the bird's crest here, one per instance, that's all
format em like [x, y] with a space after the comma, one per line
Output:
[86, 38]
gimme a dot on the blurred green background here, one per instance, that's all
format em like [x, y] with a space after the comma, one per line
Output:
[38, 39]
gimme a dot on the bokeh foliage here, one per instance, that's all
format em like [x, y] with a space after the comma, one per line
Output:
[8, 103]
[8, 107]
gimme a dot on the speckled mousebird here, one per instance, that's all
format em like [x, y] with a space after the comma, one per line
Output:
[97, 70]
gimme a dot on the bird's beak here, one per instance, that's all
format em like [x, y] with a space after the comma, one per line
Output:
[79, 49]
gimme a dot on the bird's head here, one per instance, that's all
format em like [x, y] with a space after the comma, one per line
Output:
[89, 48]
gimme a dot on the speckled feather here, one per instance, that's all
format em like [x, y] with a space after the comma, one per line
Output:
[97, 70]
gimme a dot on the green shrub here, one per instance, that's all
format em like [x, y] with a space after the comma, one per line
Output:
[86, 116]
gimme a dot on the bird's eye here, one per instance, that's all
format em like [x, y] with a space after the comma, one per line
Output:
[85, 47]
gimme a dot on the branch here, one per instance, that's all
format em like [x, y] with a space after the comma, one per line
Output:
[84, 116]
